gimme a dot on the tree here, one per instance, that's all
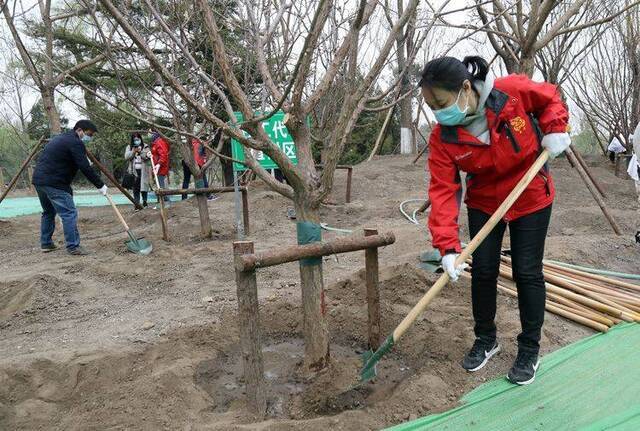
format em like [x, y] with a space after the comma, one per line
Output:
[40, 65]
[297, 34]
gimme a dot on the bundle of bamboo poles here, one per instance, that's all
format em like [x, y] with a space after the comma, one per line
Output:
[591, 300]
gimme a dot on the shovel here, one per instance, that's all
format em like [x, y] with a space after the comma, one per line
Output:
[370, 358]
[134, 245]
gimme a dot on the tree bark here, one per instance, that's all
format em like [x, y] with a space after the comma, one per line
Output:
[315, 327]
[48, 100]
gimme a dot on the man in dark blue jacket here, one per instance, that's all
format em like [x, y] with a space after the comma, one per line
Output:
[57, 165]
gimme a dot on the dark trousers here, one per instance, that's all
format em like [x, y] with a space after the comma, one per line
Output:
[528, 236]
[186, 178]
[137, 185]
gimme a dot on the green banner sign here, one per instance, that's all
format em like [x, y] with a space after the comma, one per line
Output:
[279, 135]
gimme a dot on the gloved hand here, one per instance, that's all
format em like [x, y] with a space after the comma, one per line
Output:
[556, 143]
[104, 190]
[156, 169]
[448, 264]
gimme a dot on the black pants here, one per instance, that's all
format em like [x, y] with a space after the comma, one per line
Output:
[186, 178]
[528, 236]
[137, 185]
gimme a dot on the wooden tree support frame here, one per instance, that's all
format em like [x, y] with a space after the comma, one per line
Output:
[111, 178]
[207, 190]
[247, 262]
[26, 162]
[571, 156]
[349, 170]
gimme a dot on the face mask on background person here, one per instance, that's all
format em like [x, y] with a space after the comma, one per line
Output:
[137, 142]
[452, 115]
[86, 138]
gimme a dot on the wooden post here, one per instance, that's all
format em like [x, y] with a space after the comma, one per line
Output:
[249, 328]
[572, 157]
[588, 171]
[245, 210]
[349, 178]
[30, 178]
[382, 134]
[373, 293]
[1, 177]
[22, 168]
[112, 179]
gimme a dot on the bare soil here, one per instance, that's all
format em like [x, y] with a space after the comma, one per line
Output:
[118, 341]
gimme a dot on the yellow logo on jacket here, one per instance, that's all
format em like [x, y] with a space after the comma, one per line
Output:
[518, 124]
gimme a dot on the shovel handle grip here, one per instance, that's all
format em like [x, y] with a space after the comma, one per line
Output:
[471, 247]
[115, 208]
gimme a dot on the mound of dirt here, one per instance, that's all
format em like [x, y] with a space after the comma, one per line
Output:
[119, 341]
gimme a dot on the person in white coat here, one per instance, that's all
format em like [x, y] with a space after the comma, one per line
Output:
[634, 172]
[136, 154]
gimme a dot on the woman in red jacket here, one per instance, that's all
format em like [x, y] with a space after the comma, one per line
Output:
[493, 131]
[160, 152]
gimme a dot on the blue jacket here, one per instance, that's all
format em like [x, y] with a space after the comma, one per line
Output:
[59, 162]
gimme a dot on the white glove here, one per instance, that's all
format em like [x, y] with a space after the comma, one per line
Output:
[104, 190]
[448, 264]
[156, 169]
[556, 143]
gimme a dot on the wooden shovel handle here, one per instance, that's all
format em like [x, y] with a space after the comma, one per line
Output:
[471, 247]
[115, 208]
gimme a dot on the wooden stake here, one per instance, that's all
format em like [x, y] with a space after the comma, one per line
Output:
[163, 214]
[24, 165]
[572, 157]
[249, 326]
[382, 134]
[564, 313]
[245, 210]
[612, 281]
[373, 293]
[349, 178]
[593, 179]
[1, 177]
[111, 178]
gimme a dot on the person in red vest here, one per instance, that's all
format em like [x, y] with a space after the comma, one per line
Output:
[493, 131]
[161, 153]
[200, 157]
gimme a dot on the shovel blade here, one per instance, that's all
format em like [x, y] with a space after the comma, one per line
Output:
[139, 246]
[371, 359]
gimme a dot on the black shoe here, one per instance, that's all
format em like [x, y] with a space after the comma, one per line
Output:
[78, 251]
[524, 368]
[638, 237]
[48, 248]
[144, 204]
[479, 355]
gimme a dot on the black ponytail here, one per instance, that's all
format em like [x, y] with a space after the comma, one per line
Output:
[450, 73]
[477, 66]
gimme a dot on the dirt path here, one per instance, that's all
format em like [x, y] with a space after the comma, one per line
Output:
[118, 341]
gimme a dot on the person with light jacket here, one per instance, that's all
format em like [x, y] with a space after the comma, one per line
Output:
[634, 172]
[136, 154]
[493, 131]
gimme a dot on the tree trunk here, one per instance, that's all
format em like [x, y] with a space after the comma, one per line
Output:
[406, 140]
[527, 65]
[315, 327]
[203, 209]
[48, 100]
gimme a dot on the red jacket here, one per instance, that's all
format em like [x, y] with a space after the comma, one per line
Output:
[519, 112]
[199, 154]
[160, 152]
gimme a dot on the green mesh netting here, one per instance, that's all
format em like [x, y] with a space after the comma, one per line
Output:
[14, 207]
[593, 384]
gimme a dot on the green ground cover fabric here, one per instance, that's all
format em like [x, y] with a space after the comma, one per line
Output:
[592, 385]
[14, 207]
